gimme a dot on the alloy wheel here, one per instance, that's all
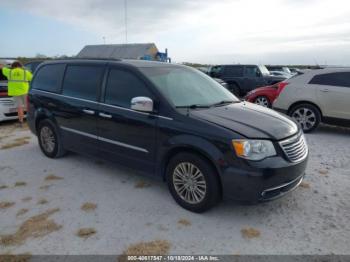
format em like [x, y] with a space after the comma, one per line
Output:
[189, 183]
[47, 139]
[262, 101]
[305, 117]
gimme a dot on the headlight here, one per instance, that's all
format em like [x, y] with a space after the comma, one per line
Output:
[253, 149]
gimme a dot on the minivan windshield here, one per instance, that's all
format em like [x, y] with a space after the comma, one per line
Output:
[187, 87]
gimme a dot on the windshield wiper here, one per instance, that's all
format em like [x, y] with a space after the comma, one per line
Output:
[223, 102]
[194, 106]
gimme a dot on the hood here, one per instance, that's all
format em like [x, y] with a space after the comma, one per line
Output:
[249, 120]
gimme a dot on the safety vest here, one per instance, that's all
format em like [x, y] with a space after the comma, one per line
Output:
[18, 81]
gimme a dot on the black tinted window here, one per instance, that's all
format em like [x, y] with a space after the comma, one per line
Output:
[122, 86]
[251, 71]
[236, 71]
[49, 78]
[332, 79]
[83, 81]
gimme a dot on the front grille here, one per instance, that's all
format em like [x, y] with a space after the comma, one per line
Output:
[295, 148]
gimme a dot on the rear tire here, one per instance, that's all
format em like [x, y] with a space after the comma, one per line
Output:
[307, 116]
[193, 182]
[234, 89]
[262, 101]
[49, 139]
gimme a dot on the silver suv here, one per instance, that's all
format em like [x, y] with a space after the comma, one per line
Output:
[317, 96]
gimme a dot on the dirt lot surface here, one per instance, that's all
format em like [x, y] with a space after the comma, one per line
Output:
[79, 205]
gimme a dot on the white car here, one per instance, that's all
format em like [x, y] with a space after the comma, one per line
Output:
[316, 96]
[8, 110]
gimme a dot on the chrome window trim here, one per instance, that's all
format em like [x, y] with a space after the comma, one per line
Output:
[104, 139]
[104, 104]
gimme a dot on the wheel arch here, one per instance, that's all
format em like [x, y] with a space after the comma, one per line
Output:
[42, 114]
[188, 149]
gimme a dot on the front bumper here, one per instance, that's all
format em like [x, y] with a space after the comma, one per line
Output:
[264, 180]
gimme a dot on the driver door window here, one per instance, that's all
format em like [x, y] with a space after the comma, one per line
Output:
[122, 86]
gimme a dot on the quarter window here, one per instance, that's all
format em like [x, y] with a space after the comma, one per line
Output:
[49, 78]
[332, 79]
[122, 86]
[235, 71]
[83, 81]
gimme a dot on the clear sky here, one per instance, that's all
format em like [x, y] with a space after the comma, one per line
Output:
[205, 31]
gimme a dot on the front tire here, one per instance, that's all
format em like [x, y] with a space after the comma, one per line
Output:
[307, 116]
[193, 182]
[49, 139]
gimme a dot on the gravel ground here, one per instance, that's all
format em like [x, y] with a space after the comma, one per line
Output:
[314, 219]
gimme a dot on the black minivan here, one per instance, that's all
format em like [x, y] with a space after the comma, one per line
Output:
[171, 122]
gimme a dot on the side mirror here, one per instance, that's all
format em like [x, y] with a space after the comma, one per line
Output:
[141, 103]
[258, 74]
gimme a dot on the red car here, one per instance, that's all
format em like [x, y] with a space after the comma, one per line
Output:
[265, 95]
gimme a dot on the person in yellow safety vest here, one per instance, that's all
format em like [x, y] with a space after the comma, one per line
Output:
[18, 85]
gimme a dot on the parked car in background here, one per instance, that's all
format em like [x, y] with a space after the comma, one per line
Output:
[264, 96]
[281, 73]
[317, 96]
[279, 68]
[296, 71]
[220, 81]
[243, 78]
[170, 122]
[8, 109]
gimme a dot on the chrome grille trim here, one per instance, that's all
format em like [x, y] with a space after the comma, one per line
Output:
[295, 148]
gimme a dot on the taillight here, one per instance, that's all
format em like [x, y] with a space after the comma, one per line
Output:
[281, 86]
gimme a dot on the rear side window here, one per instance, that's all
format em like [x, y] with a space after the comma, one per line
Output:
[49, 78]
[122, 86]
[332, 79]
[83, 81]
[235, 71]
[251, 71]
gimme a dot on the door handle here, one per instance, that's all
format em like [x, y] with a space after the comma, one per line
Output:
[105, 115]
[88, 111]
[325, 90]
